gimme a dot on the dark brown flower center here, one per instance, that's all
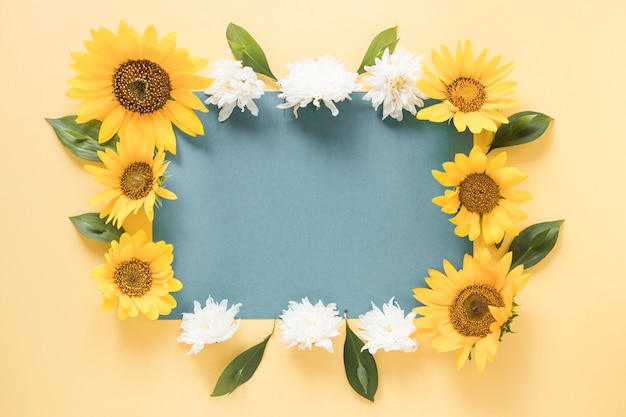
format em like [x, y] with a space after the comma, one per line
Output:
[479, 193]
[133, 277]
[141, 86]
[467, 94]
[137, 180]
[470, 315]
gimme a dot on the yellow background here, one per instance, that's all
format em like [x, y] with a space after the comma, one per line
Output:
[61, 356]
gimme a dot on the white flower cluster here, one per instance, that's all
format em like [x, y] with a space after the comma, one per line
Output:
[317, 80]
[388, 329]
[211, 324]
[393, 80]
[307, 325]
[233, 85]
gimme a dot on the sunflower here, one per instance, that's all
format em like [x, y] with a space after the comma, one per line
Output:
[138, 276]
[134, 180]
[469, 308]
[470, 91]
[482, 195]
[136, 83]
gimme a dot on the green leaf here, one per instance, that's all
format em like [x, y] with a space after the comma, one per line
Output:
[360, 366]
[81, 139]
[534, 243]
[240, 369]
[247, 50]
[522, 128]
[388, 38]
[92, 226]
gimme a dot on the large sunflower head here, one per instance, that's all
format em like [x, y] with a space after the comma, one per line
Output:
[481, 195]
[471, 91]
[467, 309]
[134, 178]
[135, 83]
[138, 277]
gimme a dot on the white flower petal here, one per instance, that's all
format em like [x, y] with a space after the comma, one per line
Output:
[308, 325]
[388, 329]
[393, 80]
[211, 324]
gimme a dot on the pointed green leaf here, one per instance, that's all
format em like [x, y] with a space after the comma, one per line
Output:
[81, 139]
[240, 369]
[534, 243]
[93, 227]
[388, 38]
[247, 50]
[522, 128]
[360, 366]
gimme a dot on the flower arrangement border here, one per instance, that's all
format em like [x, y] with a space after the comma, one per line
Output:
[138, 88]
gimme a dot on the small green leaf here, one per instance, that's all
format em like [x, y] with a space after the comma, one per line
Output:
[388, 38]
[81, 139]
[240, 369]
[360, 366]
[247, 50]
[534, 243]
[93, 227]
[522, 128]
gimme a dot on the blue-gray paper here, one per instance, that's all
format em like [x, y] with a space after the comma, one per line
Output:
[276, 208]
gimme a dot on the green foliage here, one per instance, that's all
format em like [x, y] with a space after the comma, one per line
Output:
[534, 243]
[388, 38]
[93, 227]
[360, 366]
[81, 139]
[522, 128]
[240, 369]
[247, 50]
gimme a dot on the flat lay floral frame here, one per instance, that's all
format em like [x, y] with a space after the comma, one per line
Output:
[137, 89]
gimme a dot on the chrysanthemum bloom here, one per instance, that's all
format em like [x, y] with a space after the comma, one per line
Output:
[307, 325]
[211, 324]
[138, 277]
[471, 92]
[233, 85]
[388, 329]
[393, 80]
[469, 308]
[134, 83]
[482, 195]
[133, 178]
[317, 80]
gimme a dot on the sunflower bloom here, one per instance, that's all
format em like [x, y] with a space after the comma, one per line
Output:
[133, 178]
[135, 83]
[481, 196]
[471, 92]
[138, 277]
[466, 309]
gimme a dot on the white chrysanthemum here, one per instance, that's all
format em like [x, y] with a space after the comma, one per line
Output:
[388, 329]
[317, 80]
[307, 325]
[393, 80]
[211, 324]
[233, 85]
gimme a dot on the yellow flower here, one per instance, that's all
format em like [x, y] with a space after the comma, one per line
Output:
[482, 195]
[138, 276]
[467, 308]
[471, 91]
[133, 178]
[135, 83]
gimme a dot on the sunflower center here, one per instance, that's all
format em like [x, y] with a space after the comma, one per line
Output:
[141, 86]
[469, 314]
[479, 193]
[137, 180]
[467, 94]
[133, 277]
